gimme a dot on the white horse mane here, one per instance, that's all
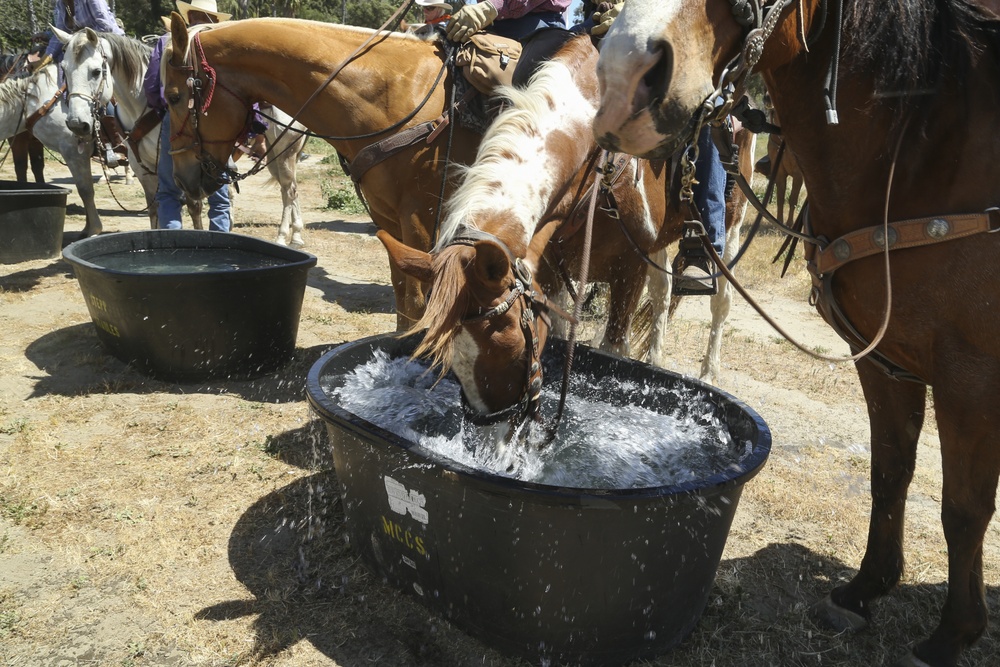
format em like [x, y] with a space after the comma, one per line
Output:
[13, 91]
[502, 155]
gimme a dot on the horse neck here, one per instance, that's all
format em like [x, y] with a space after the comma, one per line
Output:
[530, 157]
[846, 167]
[293, 59]
[129, 95]
[15, 105]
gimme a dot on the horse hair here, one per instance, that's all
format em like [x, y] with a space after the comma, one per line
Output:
[446, 306]
[912, 45]
[13, 91]
[131, 55]
[501, 142]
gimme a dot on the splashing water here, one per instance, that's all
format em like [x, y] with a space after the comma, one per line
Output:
[600, 444]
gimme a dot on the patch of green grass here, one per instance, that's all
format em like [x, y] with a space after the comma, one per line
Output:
[19, 425]
[341, 198]
[20, 511]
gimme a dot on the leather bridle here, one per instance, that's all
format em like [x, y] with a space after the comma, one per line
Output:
[200, 98]
[536, 306]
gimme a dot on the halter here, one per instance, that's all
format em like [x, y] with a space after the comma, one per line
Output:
[198, 104]
[96, 105]
[536, 306]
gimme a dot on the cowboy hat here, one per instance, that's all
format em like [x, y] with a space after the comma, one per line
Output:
[432, 3]
[209, 7]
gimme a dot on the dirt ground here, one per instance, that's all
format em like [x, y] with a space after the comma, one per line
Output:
[151, 523]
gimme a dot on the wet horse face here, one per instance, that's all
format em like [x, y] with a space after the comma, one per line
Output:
[477, 325]
[661, 60]
[200, 142]
[89, 86]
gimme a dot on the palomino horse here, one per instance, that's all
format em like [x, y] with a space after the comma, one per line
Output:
[513, 217]
[98, 67]
[396, 82]
[912, 165]
[32, 104]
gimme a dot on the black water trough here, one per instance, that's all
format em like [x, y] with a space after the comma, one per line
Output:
[191, 305]
[554, 575]
[31, 221]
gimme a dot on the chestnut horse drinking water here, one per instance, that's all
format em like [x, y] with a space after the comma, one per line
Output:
[398, 81]
[912, 165]
[487, 319]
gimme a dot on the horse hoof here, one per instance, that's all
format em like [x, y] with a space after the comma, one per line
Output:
[910, 660]
[297, 243]
[832, 615]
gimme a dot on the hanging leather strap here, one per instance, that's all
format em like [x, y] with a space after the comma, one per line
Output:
[43, 110]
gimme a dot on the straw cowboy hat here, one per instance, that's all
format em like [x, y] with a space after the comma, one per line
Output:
[209, 7]
[431, 3]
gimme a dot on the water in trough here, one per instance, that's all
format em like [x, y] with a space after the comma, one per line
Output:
[600, 444]
[187, 260]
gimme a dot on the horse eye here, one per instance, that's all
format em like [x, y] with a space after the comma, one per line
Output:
[95, 73]
[173, 98]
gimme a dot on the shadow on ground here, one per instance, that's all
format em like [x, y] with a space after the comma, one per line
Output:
[366, 227]
[290, 550]
[72, 362]
[353, 297]
[26, 280]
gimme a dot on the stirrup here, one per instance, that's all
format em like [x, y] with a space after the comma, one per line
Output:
[110, 157]
[692, 251]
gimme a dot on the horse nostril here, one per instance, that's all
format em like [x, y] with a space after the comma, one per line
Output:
[657, 79]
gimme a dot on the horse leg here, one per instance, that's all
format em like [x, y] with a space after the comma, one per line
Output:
[195, 208]
[79, 168]
[970, 466]
[659, 285]
[36, 155]
[626, 290]
[19, 151]
[291, 214]
[720, 304]
[896, 413]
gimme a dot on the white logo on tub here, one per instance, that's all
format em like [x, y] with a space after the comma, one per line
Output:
[402, 500]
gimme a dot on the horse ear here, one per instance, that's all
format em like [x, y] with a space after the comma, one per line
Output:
[91, 35]
[179, 38]
[62, 35]
[415, 263]
[492, 265]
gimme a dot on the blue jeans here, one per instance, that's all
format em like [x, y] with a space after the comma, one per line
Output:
[170, 199]
[710, 190]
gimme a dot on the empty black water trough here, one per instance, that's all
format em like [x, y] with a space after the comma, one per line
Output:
[555, 575]
[190, 305]
[31, 221]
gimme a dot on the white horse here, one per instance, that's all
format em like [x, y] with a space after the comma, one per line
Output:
[98, 66]
[19, 100]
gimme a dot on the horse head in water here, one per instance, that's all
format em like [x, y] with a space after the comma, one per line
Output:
[889, 109]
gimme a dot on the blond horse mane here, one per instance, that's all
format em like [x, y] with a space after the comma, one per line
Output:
[503, 139]
[446, 306]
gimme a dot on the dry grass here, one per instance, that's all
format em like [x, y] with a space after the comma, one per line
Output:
[147, 523]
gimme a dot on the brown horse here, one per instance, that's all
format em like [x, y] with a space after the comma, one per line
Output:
[913, 165]
[517, 214]
[284, 62]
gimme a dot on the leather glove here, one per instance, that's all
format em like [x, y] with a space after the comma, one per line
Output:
[469, 20]
[604, 16]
